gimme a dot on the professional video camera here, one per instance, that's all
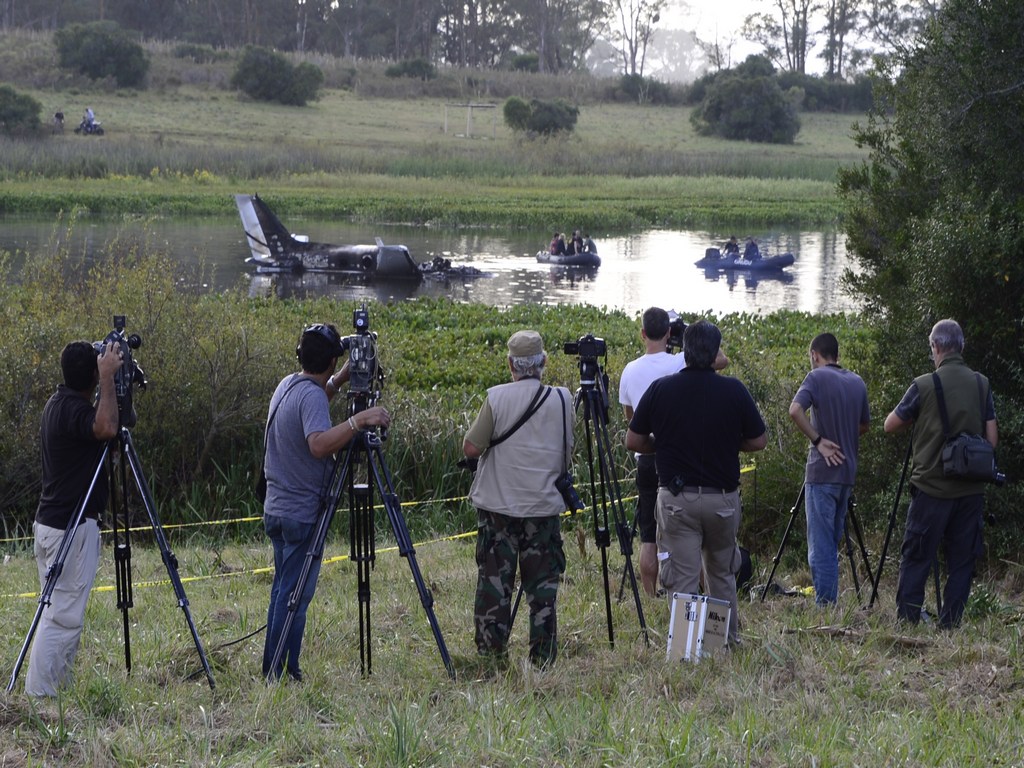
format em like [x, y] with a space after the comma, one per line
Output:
[129, 373]
[588, 348]
[676, 326]
[362, 355]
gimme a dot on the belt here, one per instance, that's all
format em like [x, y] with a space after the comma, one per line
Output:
[698, 489]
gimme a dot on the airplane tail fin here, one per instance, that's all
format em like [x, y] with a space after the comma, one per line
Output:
[264, 232]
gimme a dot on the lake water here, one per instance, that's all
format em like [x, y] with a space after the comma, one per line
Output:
[654, 267]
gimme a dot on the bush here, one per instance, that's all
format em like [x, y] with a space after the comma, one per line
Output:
[540, 117]
[747, 108]
[102, 49]
[551, 117]
[516, 113]
[265, 75]
[642, 90]
[200, 54]
[19, 113]
[525, 62]
[419, 69]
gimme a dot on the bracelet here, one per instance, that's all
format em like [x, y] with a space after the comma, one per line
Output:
[815, 441]
[352, 424]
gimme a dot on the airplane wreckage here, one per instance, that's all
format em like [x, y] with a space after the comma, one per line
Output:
[275, 249]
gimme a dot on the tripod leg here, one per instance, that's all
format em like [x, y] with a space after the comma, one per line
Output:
[170, 561]
[122, 554]
[363, 554]
[382, 478]
[785, 536]
[852, 518]
[57, 566]
[892, 521]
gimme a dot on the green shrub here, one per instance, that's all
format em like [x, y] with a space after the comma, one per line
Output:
[102, 49]
[551, 117]
[516, 113]
[642, 90]
[419, 69]
[200, 54]
[525, 62]
[747, 108]
[19, 113]
[266, 75]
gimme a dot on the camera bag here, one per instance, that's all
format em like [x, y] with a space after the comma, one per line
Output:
[966, 455]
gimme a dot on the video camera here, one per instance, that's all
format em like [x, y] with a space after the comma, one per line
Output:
[129, 373]
[676, 327]
[362, 355]
[589, 347]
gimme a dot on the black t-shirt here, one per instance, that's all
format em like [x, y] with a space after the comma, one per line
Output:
[70, 454]
[698, 419]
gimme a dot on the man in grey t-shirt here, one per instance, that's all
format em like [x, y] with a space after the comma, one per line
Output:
[838, 401]
[301, 444]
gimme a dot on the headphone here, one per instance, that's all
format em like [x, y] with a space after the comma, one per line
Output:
[328, 332]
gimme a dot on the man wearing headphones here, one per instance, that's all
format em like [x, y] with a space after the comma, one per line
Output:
[300, 447]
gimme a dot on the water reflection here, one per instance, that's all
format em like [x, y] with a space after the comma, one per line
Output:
[638, 270]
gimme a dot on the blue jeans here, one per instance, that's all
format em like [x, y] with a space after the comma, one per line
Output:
[291, 540]
[826, 523]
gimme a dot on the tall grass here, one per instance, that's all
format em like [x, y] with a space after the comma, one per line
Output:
[807, 688]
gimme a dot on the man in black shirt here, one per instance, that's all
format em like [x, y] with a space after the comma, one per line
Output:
[696, 422]
[72, 436]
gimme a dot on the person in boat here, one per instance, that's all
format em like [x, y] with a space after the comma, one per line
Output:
[577, 242]
[589, 246]
[731, 247]
[557, 247]
[750, 251]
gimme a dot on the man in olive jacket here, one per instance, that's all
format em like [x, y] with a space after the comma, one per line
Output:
[942, 508]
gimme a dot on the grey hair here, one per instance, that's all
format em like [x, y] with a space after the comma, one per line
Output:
[947, 336]
[531, 366]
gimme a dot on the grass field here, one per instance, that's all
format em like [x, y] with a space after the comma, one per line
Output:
[187, 142]
[807, 688]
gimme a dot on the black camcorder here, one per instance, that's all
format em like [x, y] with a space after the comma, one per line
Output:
[129, 374]
[676, 327]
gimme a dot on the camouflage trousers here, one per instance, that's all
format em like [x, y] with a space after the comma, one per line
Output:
[535, 545]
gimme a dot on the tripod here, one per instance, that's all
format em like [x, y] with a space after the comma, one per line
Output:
[117, 477]
[593, 397]
[364, 450]
[889, 530]
[852, 518]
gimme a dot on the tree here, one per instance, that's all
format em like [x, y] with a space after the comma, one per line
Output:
[840, 21]
[633, 28]
[747, 108]
[267, 76]
[19, 113]
[102, 49]
[784, 35]
[935, 215]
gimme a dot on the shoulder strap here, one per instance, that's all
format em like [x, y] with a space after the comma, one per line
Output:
[273, 413]
[531, 409]
[565, 437]
[942, 404]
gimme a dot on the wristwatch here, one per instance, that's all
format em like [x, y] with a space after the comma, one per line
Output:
[815, 441]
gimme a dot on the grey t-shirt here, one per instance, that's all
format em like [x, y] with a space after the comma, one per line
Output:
[295, 479]
[838, 400]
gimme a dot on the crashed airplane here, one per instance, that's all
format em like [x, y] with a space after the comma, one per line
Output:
[275, 249]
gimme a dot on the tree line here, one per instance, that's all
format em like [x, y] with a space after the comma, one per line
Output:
[545, 35]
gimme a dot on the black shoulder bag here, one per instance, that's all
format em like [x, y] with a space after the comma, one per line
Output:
[261, 483]
[967, 456]
[532, 408]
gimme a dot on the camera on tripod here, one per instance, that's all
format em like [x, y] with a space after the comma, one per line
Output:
[587, 347]
[362, 354]
[676, 327]
[129, 373]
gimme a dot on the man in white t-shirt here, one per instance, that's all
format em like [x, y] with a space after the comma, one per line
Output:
[636, 377]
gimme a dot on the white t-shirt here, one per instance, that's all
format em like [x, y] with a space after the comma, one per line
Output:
[638, 375]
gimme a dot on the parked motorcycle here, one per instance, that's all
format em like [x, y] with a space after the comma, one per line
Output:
[94, 128]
